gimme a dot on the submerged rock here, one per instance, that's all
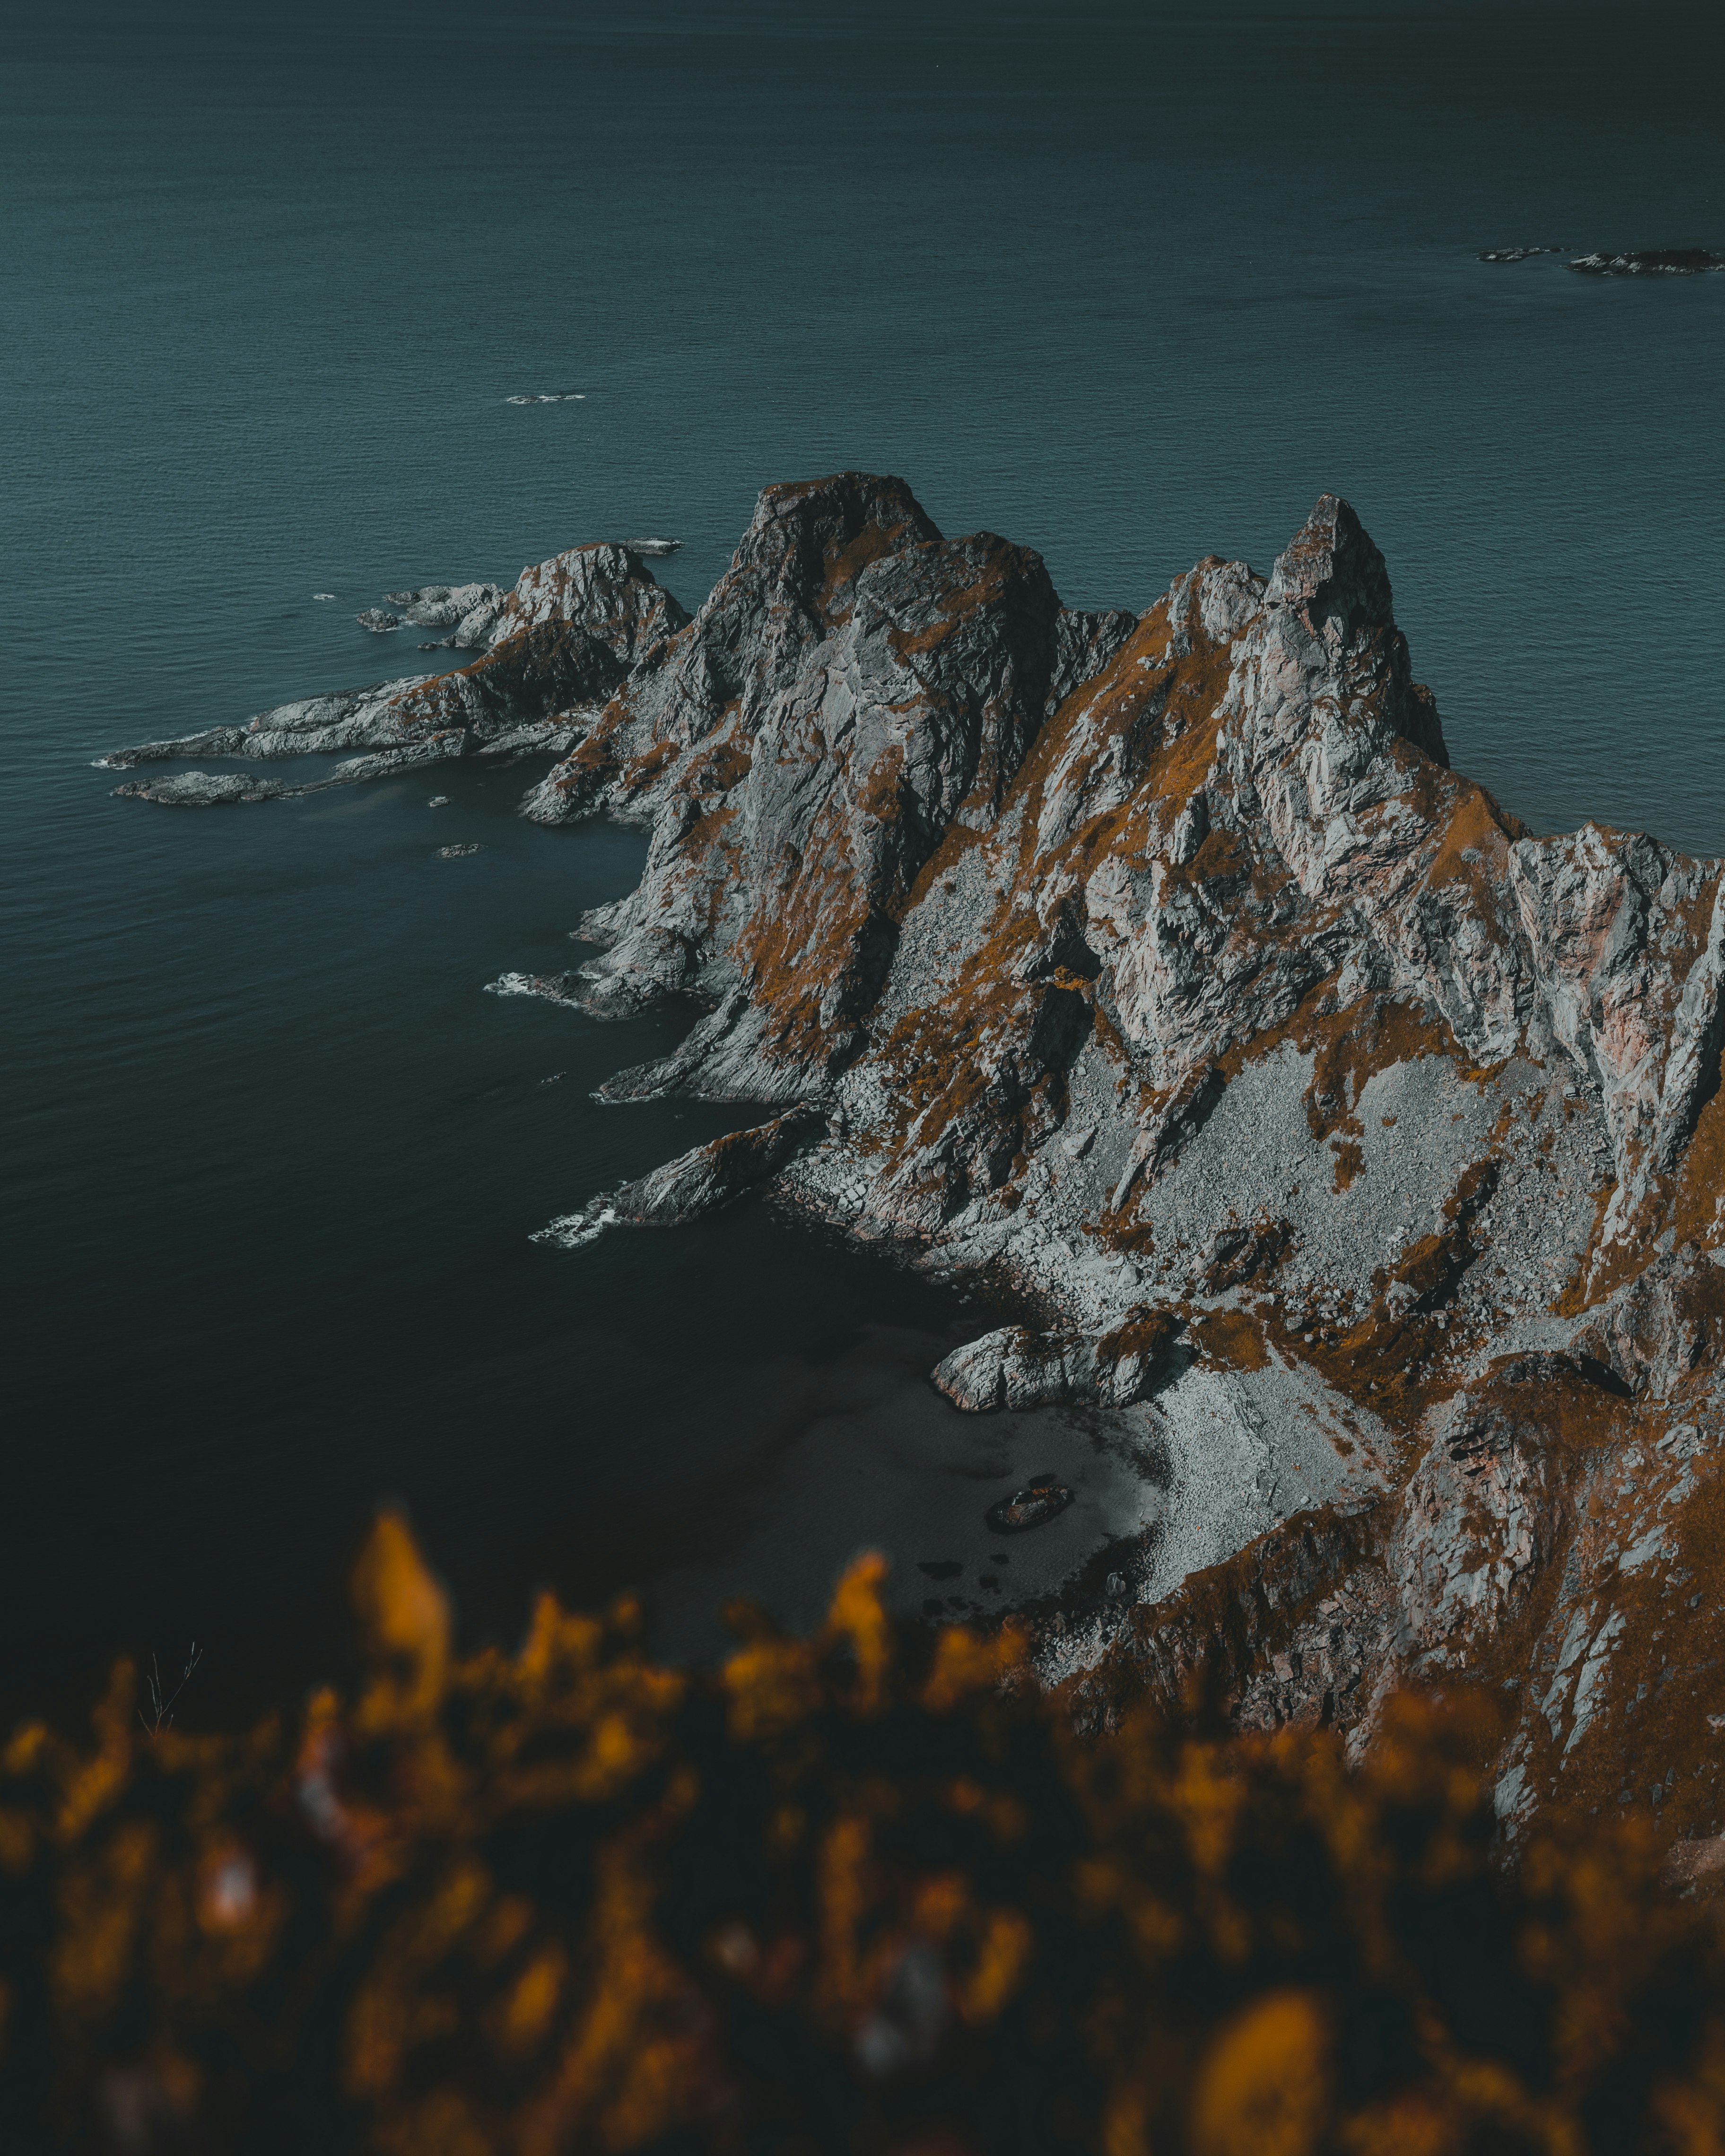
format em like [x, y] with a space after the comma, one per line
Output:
[1042, 1498]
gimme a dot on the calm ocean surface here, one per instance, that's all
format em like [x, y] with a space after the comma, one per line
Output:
[1129, 284]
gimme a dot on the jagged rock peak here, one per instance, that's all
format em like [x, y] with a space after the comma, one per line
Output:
[1331, 572]
[601, 588]
[816, 534]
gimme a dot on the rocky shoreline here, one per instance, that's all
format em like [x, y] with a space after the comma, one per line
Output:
[1651, 262]
[1159, 965]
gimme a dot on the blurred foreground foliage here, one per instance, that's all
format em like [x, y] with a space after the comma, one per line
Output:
[866, 1893]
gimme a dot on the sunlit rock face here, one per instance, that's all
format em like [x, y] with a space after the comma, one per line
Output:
[1332, 1125]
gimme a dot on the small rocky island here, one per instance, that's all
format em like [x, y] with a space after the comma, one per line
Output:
[1634, 262]
[1159, 965]
[1651, 262]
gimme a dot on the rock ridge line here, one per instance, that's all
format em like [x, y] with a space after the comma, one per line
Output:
[1159, 965]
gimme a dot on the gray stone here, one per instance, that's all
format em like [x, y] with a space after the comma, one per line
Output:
[202, 789]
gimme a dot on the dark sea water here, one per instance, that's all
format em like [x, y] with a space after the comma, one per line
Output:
[1129, 284]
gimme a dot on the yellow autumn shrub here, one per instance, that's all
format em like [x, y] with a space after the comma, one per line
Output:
[863, 1892]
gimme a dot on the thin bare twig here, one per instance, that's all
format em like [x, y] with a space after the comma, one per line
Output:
[161, 1704]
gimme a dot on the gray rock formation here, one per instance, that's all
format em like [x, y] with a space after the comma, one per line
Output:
[1651, 262]
[1016, 1366]
[474, 615]
[1165, 967]
[555, 648]
[699, 1181]
[203, 789]
[1162, 966]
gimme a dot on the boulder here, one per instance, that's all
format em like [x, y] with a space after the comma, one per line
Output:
[1016, 1366]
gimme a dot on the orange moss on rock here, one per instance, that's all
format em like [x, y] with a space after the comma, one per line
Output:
[720, 767]
[1475, 832]
[1204, 1641]
[1235, 1339]
[845, 563]
[1697, 1196]
[640, 772]
[1384, 1362]
[1149, 1335]
[1351, 1044]
[1350, 1160]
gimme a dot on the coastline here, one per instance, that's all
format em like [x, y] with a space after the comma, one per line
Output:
[1159, 965]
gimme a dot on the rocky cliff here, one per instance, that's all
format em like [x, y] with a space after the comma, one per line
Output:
[1365, 1147]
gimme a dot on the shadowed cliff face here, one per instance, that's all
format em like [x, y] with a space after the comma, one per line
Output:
[1162, 966]
[856, 693]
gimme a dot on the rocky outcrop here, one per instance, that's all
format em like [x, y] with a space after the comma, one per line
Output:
[350, 718]
[854, 689]
[1242, 810]
[1480, 1520]
[1165, 965]
[1634, 262]
[714, 1174]
[203, 789]
[555, 646]
[698, 1182]
[1553, 1547]
[472, 614]
[1651, 262]
[1016, 1366]
[1161, 965]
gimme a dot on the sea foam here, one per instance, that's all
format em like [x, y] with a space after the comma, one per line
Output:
[550, 987]
[573, 1230]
